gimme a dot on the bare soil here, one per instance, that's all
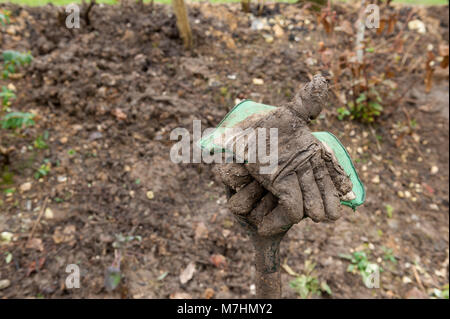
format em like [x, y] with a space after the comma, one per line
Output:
[110, 93]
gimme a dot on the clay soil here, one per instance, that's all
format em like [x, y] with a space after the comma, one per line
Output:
[110, 93]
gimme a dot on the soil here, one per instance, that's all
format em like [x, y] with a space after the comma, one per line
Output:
[110, 93]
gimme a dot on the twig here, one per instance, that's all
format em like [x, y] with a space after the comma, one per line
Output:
[375, 136]
[416, 275]
[37, 220]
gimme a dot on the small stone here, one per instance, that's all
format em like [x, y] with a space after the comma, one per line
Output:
[150, 195]
[258, 81]
[416, 138]
[434, 170]
[406, 280]
[407, 194]
[418, 26]
[4, 283]
[258, 24]
[434, 207]
[62, 179]
[310, 61]
[6, 236]
[11, 30]
[95, 136]
[268, 38]
[376, 179]
[279, 32]
[400, 194]
[359, 150]
[25, 187]
[63, 140]
[48, 214]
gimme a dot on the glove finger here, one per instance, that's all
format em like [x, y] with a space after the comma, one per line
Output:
[312, 198]
[264, 207]
[246, 198]
[289, 196]
[234, 175]
[330, 196]
[276, 222]
[339, 177]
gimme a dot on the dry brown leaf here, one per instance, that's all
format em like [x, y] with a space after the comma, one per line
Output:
[67, 235]
[209, 293]
[35, 243]
[347, 27]
[201, 231]
[119, 114]
[289, 270]
[218, 260]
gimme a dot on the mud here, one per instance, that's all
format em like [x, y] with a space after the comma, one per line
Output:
[110, 93]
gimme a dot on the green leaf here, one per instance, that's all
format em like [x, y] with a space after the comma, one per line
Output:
[389, 210]
[15, 120]
[162, 276]
[324, 286]
[112, 278]
[361, 98]
[8, 257]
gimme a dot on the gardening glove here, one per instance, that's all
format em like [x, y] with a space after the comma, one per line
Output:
[308, 179]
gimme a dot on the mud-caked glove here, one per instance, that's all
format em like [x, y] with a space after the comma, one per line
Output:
[307, 182]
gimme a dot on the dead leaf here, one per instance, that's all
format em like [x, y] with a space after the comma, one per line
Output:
[347, 27]
[35, 243]
[64, 236]
[218, 260]
[119, 114]
[209, 293]
[428, 188]
[327, 56]
[289, 270]
[278, 31]
[180, 295]
[399, 141]
[187, 273]
[201, 231]
[381, 27]
[35, 266]
[391, 24]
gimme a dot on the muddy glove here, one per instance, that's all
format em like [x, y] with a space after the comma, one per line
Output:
[307, 181]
